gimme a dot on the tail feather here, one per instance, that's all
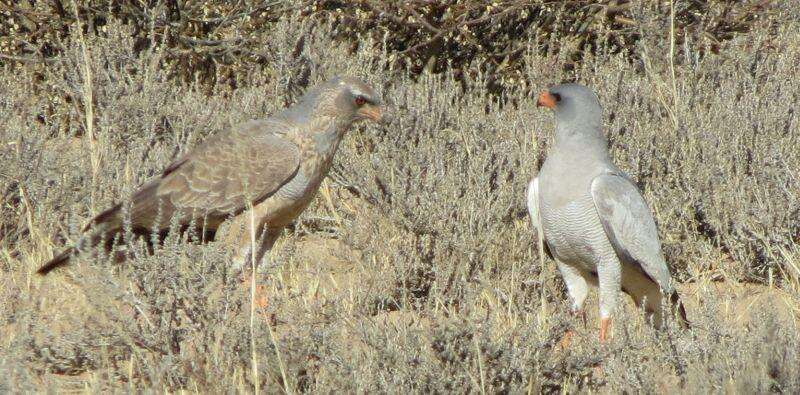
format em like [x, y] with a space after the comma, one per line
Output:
[103, 226]
[109, 219]
[108, 224]
[57, 261]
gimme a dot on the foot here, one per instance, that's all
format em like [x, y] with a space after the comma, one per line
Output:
[605, 324]
[567, 339]
[569, 334]
[582, 314]
[260, 297]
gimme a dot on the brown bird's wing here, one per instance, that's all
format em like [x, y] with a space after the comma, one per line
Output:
[226, 173]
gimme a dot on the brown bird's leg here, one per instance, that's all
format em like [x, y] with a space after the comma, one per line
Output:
[260, 299]
[263, 243]
[236, 234]
[268, 240]
[566, 339]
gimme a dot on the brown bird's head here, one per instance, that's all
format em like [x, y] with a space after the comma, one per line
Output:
[346, 98]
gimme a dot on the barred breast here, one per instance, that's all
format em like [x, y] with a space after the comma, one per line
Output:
[575, 235]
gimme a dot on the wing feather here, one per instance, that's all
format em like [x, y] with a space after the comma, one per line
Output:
[630, 226]
[533, 210]
[224, 174]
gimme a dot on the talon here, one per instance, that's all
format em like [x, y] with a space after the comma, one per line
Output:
[260, 299]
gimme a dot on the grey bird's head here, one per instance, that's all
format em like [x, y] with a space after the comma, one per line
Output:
[575, 106]
[346, 99]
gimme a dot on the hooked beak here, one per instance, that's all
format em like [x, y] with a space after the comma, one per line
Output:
[546, 100]
[371, 111]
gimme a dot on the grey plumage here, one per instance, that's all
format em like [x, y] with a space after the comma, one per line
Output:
[274, 165]
[596, 224]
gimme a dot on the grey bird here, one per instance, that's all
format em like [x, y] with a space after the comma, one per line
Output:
[595, 223]
[273, 166]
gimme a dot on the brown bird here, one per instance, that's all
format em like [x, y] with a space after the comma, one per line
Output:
[274, 165]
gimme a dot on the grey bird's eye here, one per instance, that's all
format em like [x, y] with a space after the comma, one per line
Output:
[557, 97]
[361, 100]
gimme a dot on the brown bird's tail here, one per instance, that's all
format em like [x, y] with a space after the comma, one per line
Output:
[107, 225]
[103, 226]
[678, 310]
[58, 261]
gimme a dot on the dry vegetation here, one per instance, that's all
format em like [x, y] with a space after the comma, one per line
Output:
[416, 269]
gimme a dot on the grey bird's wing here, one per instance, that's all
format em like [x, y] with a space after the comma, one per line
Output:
[630, 226]
[533, 210]
[533, 203]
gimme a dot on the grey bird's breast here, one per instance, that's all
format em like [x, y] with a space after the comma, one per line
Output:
[574, 233]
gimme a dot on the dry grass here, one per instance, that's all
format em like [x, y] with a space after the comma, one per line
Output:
[417, 269]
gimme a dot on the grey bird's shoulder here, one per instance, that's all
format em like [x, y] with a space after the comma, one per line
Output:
[629, 225]
[615, 190]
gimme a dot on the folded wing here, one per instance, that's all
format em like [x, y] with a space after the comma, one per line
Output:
[630, 227]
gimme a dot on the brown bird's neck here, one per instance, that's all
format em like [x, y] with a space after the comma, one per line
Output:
[320, 145]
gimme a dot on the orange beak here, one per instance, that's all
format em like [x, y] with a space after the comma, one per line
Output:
[372, 112]
[546, 100]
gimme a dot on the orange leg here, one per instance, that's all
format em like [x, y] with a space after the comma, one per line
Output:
[569, 334]
[567, 339]
[605, 323]
[260, 300]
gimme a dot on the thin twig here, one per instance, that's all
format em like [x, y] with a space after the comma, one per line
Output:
[88, 105]
[672, 55]
[253, 355]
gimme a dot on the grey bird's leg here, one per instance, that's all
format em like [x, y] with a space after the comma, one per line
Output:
[577, 289]
[609, 283]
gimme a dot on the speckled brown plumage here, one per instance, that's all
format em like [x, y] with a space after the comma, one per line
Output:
[273, 165]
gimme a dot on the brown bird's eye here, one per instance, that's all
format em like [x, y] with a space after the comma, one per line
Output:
[361, 100]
